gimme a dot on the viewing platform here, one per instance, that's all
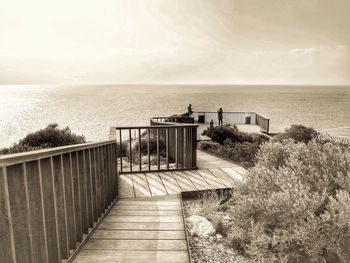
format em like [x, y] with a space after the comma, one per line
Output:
[111, 201]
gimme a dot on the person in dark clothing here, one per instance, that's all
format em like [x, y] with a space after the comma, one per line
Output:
[220, 117]
[189, 110]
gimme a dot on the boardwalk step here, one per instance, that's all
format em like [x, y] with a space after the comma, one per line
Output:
[138, 234]
[111, 256]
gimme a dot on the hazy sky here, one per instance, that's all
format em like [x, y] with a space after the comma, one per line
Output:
[175, 41]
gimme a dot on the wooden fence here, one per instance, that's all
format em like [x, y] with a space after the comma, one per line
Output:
[51, 199]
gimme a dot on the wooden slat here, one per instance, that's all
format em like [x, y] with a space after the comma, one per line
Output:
[155, 184]
[139, 245]
[49, 211]
[150, 202]
[60, 206]
[6, 251]
[240, 170]
[134, 234]
[233, 174]
[19, 212]
[141, 185]
[148, 207]
[76, 193]
[116, 212]
[229, 181]
[144, 219]
[69, 201]
[197, 180]
[183, 181]
[170, 183]
[87, 256]
[142, 226]
[83, 192]
[36, 211]
[211, 179]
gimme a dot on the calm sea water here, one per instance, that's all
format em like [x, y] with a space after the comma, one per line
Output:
[91, 110]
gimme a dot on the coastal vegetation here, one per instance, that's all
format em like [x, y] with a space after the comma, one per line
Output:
[51, 136]
[231, 143]
[294, 205]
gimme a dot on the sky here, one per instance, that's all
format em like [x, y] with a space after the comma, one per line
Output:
[175, 42]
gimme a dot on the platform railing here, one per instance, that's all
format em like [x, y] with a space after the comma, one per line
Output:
[233, 118]
[51, 199]
[162, 146]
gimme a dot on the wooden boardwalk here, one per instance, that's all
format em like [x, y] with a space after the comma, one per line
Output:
[213, 173]
[146, 224]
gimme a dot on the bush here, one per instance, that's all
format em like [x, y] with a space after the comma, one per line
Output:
[243, 153]
[220, 134]
[51, 136]
[295, 204]
[298, 133]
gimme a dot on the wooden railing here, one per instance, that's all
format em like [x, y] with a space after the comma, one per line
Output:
[163, 146]
[51, 199]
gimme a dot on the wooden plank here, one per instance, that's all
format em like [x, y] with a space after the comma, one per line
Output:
[141, 226]
[155, 184]
[83, 192]
[183, 181]
[136, 234]
[116, 212]
[49, 210]
[6, 253]
[141, 185]
[229, 181]
[233, 174]
[155, 202]
[241, 170]
[147, 207]
[19, 213]
[140, 245]
[87, 256]
[60, 206]
[211, 179]
[170, 183]
[126, 188]
[76, 189]
[143, 219]
[69, 201]
[36, 211]
[198, 180]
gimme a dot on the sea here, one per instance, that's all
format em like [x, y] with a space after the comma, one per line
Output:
[91, 109]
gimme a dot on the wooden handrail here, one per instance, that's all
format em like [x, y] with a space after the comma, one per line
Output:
[51, 199]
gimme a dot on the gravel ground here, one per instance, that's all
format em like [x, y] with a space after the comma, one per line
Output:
[210, 248]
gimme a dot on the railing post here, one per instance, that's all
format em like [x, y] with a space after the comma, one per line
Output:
[167, 147]
[158, 153]
[140, 156]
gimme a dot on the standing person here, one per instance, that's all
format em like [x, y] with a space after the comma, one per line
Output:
[189, 110]
[220, 112]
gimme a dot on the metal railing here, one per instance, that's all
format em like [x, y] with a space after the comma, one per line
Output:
[162, 146]
[263, 123]
[51, 199]
[233, 118]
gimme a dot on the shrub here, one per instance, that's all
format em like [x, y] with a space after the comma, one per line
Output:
[220, 134]
[51, 136]
[295, 204]
[298, 133]
[243, 153]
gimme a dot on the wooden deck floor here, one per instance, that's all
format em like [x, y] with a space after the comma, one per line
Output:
[139, 230]
[213, 173]
[146, 224]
